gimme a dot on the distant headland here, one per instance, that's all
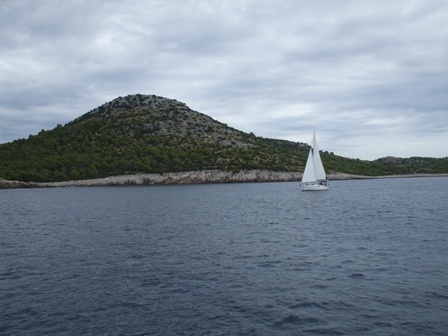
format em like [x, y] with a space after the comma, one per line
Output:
[147, 139]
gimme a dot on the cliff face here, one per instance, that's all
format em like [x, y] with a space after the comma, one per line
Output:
[195, 177]
[5, 184]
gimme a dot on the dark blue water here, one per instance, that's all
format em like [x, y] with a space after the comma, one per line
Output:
[365, 258]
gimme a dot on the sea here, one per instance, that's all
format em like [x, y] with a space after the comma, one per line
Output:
[367, 257]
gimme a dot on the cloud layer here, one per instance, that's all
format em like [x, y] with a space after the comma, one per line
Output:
[370, 77]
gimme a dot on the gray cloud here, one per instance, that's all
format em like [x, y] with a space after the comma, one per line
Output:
[369, 77]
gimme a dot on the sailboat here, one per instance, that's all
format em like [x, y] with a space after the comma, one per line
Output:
[314, 177]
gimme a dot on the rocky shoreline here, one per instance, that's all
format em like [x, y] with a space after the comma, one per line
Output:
[194, 177]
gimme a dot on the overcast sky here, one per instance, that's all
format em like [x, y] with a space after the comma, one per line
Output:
[370, 77]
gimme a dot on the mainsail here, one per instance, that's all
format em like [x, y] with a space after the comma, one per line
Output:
[314, 169]
[318, 166]
[309, 175]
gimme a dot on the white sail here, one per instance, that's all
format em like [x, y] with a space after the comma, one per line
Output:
[314, 177]
[309, 175]
[318, 166]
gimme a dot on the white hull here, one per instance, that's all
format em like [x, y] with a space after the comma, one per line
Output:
[310, 186]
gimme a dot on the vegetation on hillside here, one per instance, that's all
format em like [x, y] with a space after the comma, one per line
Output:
[148, 134]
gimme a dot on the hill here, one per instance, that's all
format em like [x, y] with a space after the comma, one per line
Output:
[152, 134]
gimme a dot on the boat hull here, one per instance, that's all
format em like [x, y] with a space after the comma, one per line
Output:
[314, 187]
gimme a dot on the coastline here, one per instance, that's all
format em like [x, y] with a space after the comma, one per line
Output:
[196, 177]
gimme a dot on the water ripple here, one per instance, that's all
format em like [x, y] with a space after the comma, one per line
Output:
[366, 258]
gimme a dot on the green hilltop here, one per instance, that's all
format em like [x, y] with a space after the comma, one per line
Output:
[152, 134]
